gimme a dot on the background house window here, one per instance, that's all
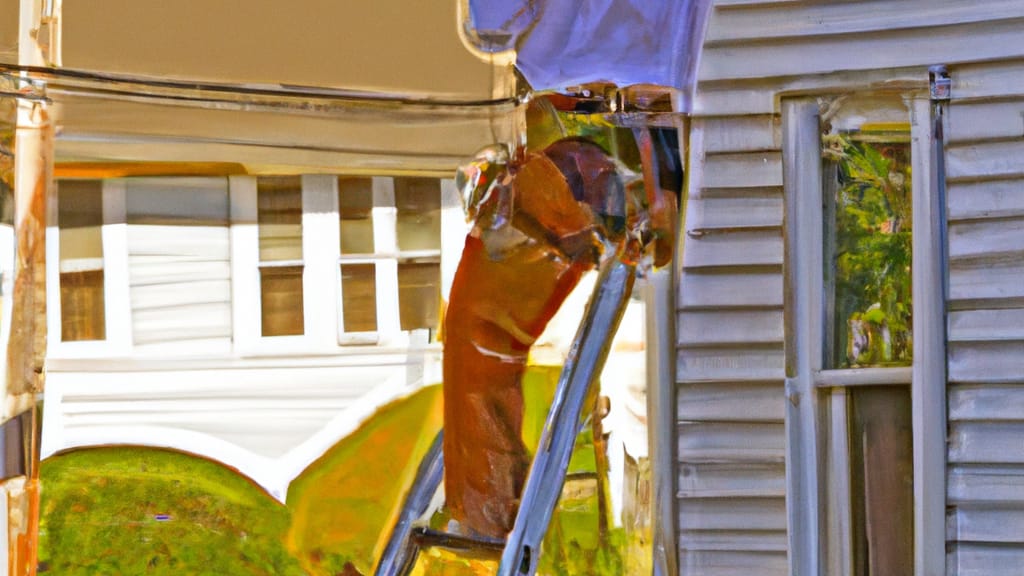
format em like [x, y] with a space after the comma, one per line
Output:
[390, 249]
[80, 221]
[358, 268]
[418, 229]
[279, 219]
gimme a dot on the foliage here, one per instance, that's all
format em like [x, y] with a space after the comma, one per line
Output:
[126, 510]
[344, 504]
[873, 250]
[138, 510]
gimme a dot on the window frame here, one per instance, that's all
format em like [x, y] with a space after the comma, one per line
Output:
[117, 303]
[817, 472]
[322, 261]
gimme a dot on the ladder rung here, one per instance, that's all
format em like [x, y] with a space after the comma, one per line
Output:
[486, 547]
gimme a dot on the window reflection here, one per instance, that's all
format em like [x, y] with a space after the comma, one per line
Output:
[359, 297]
[279, 214]
[80, 220]
[418, 201]
[869, 241]
[419, 294]
[355, 210]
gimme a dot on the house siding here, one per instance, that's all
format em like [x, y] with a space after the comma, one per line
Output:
[731, 481]
[985, 174]
[730, 304]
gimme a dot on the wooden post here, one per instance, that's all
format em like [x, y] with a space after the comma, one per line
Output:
[30, 175]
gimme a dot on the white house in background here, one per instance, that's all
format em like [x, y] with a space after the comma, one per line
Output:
[253, 223]
[255, 320]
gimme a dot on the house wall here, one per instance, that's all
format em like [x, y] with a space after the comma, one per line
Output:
[985, 175]
[731, 451]
[269, 418]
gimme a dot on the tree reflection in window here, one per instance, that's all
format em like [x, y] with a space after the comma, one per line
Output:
[868, 241]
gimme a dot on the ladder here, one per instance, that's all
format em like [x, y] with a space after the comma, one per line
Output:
[520, 552]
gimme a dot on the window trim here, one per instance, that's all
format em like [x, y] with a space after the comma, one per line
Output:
[322, 260]
[117, 303]
[317, 287]
[817, 478]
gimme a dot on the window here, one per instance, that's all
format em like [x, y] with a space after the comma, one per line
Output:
[418, 227]
[279, 217]
[80, 221]
[329, 260]
[357, 265]
[390, 249]
[867, 225]
[861, 259]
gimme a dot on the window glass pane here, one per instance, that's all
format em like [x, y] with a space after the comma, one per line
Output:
[177, 201]
[279, 203]
[355, 209]
[81, 306]
[359, 297]
[419, 294]
[868, 201]
[281, 300]
[80, 220]
[418, 201]
[882, 480]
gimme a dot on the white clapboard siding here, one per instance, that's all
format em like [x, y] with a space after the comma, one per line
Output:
[986, 442]
[729, 442]
[180, 288]
[972, 122]
[734, 539]
[730, 364]
[732, 514]
[741, 133]
[986, 325]
[729, 333]
[733, 563]
[987, 523]
[987, 402]
[734, 248]
[985, 481]
[756, 53]
[889, 48]
[730, 401]
[179, 260]
[988, 239]
[730, 328]
[1000, 361]
[829, 18]
[731, 289]
[735, 208]
[732, 480]
[266, 412]
[985, 484]
[988, 80]
[992, 283]
[982, 559]
[987, 160]
[742, 170]
[986, 199]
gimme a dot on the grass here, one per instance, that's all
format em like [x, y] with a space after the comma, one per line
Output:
[125, 510]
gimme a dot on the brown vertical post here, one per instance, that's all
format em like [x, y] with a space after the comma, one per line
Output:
[29, 173]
